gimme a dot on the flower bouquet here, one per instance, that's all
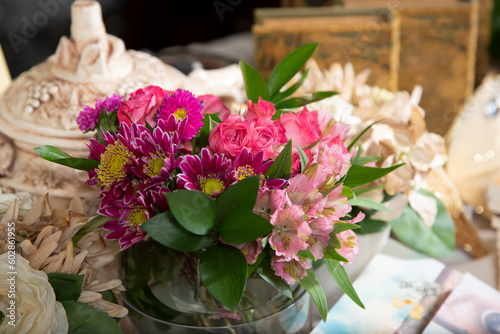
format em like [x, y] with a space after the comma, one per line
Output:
[193, 192]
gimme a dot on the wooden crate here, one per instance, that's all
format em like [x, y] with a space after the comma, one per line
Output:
[438, 48]
[483, 39]
[367, 39]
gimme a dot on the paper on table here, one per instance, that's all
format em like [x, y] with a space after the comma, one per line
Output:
[400, 294]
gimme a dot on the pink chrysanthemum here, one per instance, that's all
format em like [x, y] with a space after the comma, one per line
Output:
[290, 233]
[183, 104]
[87, 118]
[212, 175]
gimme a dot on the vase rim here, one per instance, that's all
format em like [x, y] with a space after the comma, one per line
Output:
[129, 305]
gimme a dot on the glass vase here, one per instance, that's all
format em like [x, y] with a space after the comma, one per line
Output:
[165, 295]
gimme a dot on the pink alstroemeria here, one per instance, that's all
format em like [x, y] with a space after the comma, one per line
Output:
[291, 270]
[291, 231]
[251, 250]
[318, 240]
[332, 158]
[349, 242]
[305, 193]
[270, 200]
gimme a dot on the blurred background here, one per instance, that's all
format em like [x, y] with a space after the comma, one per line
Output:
[30, 29]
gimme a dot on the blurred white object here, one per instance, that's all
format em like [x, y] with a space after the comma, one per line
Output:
[474, 145]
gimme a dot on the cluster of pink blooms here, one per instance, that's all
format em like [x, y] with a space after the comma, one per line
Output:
[151, 154]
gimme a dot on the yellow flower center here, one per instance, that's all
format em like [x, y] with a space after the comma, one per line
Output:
[209, 186]
[113, 160]
[180, 113]
[137, 216]
[154, 165]
[350, 242]
[244, 171]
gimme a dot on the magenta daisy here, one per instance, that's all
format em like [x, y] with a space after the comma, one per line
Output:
[247, 164]
[210, 174]
[183, 104]
[116, 158]
[157, 155]
[127, 228]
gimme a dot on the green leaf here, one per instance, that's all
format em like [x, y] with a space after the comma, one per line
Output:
[2, 317]
[371, 226]
[255, 85]
[267, 273]
[107, 122]
[53, 154]
[307, 254]
[84, 318]
[98, 221]
[164, 229]
[359, 175]
[332, 254]
[209, 122]
[315, 290]
[253, 266]
[223, 271]
[109, 296]
[438, 241]
[341, 227]
[193, 210]
[241, 195]
[289, 66]
[346, 191]
[351, 145]
[66, 286]
[364, 160]
[304, 159]
[337, 271]
[282, 95]
[369, 203]
[361, 191]
[296, 102]
[281, 168]
[241, 226]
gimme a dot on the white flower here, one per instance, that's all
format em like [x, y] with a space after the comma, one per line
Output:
[36, 308]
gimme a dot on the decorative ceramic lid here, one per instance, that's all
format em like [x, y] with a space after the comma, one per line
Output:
[42, 104]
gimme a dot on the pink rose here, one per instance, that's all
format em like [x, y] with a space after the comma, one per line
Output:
[268, 134]
[232, 135]
[302, 128]
[212, 104]
[142, 105]
[260, 109]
